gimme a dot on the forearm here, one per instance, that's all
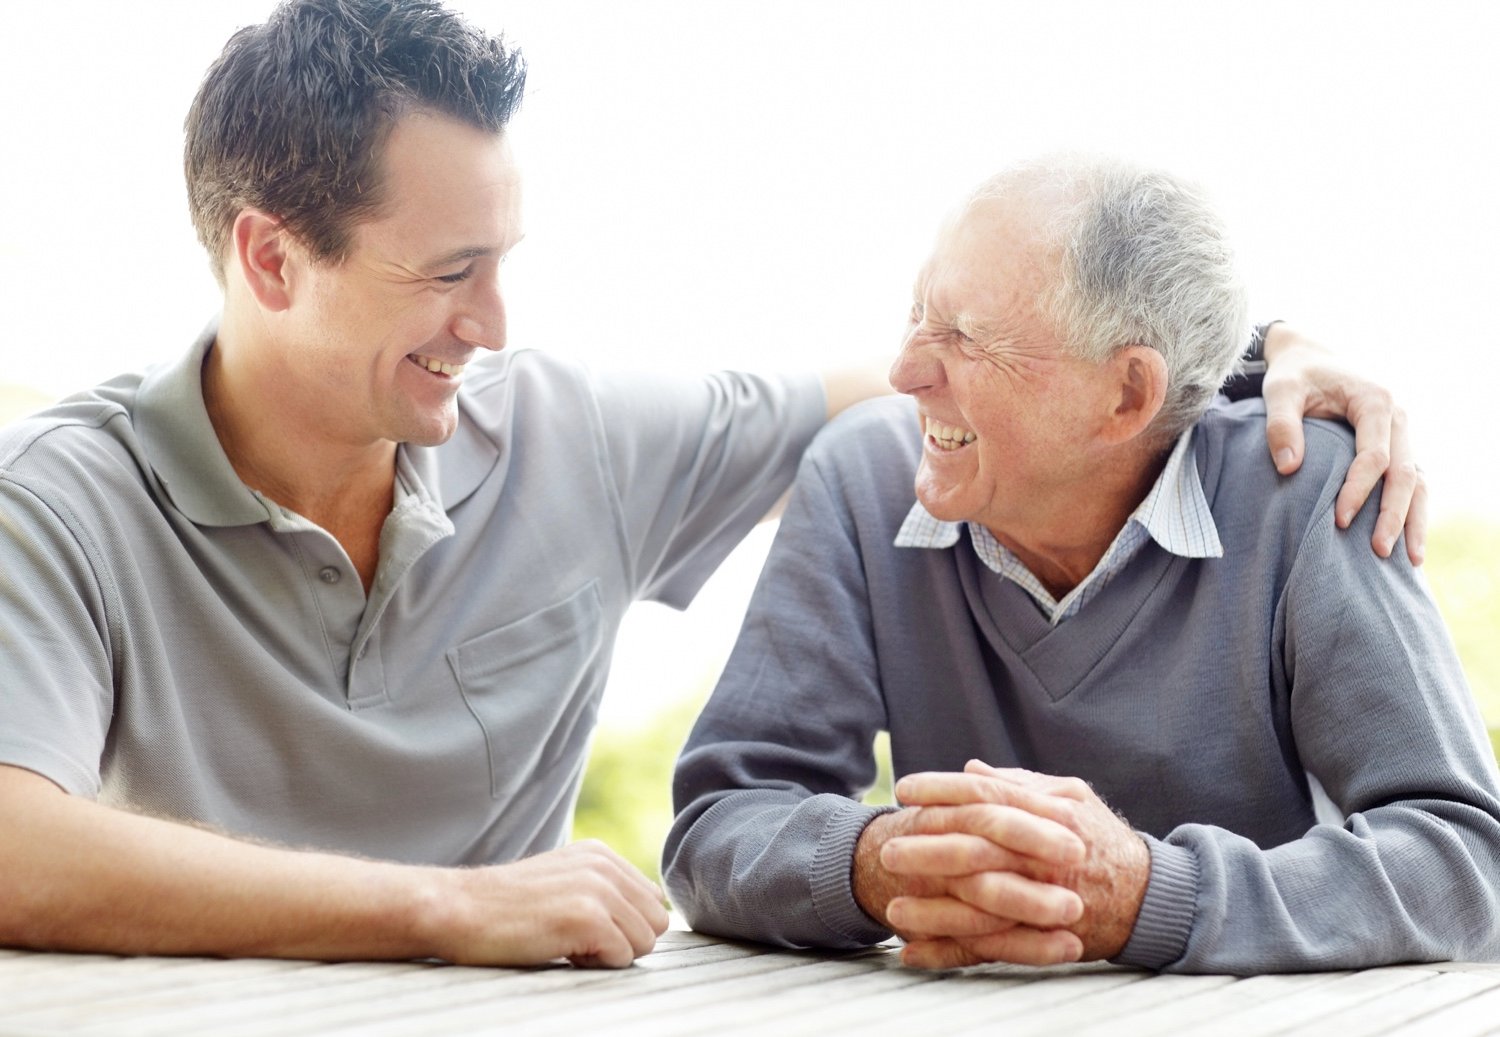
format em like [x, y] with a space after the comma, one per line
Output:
[1412, 882]
[844, 387]
[1381, 717]
[83, 877]
[764, 791]
[771, 867]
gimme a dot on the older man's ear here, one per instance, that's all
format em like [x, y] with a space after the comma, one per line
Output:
[1136, 377]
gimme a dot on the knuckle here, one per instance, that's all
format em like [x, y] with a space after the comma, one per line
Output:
[1076, 788]
[1377, 457]
[1070, 811]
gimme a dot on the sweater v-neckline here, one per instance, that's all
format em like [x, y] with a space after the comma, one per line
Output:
[1059, 657]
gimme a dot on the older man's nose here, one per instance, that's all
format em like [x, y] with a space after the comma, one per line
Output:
[917, 366]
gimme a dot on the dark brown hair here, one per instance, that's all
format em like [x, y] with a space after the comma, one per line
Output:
[293, 117]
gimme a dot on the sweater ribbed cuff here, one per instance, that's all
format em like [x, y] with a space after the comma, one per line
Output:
[1166, 919]
[832, 882]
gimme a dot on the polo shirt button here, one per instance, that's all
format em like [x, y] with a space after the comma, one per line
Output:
[329, 574]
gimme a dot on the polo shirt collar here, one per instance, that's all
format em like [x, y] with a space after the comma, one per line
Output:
[172, 422]
[451, 472]
[184, 450]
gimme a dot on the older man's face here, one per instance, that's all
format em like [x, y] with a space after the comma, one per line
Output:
[1007, 416]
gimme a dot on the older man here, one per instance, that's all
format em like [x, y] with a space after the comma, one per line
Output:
[1103, 598]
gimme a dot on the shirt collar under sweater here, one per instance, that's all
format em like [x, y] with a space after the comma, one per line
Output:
[1175, 514]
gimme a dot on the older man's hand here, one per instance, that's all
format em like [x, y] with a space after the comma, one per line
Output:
[960, 870]
[943, 924]
[1303, 379]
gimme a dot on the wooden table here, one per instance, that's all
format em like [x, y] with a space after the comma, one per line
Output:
[697, 985]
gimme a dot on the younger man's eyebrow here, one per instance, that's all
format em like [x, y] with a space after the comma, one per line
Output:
[461, 254]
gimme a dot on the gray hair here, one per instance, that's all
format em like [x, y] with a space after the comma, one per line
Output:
[1144, 260]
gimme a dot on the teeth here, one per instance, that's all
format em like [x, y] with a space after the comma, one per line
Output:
[948, 437]
[437, 366]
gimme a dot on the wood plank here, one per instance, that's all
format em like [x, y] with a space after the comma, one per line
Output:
[695, 984]
[229, 986]
[1383, 1011]
[1314, 1001]
[645, 993]
[1107, 1010]
[713, 1007]
[515, 999]
[899, 998]
[1476, 1014]
[515, 994]
[1212, 1006]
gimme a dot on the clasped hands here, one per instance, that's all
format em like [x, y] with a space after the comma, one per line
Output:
[1001, 865]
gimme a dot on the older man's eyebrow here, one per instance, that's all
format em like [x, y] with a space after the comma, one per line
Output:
[968, 326]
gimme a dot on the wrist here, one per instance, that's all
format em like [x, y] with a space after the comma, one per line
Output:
[1250, 372]
[873, 886]
[1274, 337]
[426, 910]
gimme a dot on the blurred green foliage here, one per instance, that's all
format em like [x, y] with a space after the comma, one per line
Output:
[627, 800]
[1463, 569]
[17, 401]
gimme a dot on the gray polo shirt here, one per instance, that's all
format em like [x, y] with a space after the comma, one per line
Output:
[174, 642]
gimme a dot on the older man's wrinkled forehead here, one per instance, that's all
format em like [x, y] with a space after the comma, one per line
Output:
[995, 249]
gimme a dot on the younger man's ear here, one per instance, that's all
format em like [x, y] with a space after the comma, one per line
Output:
[1140, 375]
[261, 253]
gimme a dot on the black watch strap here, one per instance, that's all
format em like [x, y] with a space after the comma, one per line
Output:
[1246, 381]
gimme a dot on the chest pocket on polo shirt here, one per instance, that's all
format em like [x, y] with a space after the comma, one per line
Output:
[532, 686]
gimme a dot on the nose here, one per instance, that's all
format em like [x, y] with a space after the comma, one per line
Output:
[917, 366]
[481, 321]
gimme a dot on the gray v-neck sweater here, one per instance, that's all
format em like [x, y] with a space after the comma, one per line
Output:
[1194, 695]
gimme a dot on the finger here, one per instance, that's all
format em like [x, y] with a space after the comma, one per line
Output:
[1416, 523]
[640, 913]
[1051, 784]
[1396, 496]
[1020, 945]
[608, 949]
[649, 903]
[638, 930]
[1005, 894]
[1286, 401]
[947, 788]
[945, 855]
[633, 902]
[643, 894]
[929, 917]
[1372, 445]
[1010, 828]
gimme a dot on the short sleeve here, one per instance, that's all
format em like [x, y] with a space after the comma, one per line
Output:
[57, 698]
[696, 462]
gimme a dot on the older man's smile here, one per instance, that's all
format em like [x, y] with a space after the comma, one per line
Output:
[947, 437]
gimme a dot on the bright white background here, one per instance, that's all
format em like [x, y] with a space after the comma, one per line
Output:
[755, 184]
